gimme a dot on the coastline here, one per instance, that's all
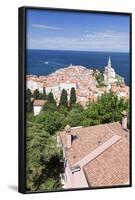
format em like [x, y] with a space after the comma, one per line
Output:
[45, 62]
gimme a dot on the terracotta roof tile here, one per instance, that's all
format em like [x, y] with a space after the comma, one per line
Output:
[39, 102]
[88, 139]
[111, 167]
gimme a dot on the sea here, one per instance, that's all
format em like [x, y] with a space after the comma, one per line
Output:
[44, 62]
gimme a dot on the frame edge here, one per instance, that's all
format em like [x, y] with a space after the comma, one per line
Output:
[21, 98]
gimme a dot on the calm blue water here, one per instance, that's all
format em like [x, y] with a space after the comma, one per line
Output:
[44, 62]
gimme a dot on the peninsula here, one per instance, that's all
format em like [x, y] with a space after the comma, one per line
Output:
[88, 83]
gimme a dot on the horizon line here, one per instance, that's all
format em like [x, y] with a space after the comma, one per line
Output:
[80, 50]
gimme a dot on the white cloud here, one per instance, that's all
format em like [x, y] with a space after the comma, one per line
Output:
[90, 41]
[108, 34]
[44, 26]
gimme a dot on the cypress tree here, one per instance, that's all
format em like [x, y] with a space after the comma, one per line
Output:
[63, 99]
[44, 93]
[40, 96]
[28, 94]
[72, 97]
[36, 94]
[29, 106]
[50, 98]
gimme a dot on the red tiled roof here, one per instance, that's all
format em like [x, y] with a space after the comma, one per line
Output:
[111, 167]
[39, 102]
[99, 171]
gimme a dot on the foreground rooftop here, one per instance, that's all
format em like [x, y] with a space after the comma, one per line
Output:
[101, 152]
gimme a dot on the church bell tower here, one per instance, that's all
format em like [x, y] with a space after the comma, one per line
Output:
[109, 63]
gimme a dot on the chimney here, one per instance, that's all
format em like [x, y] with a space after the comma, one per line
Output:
[69, 137]
[124, 120]
[69, 141]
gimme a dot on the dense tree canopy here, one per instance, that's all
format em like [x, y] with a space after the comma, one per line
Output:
[42, 155]
[63, 99]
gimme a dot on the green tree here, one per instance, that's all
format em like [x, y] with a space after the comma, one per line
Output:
[91, 115]
[44, 93]
[106, 109]
[50, 107]
[44, 159]
[100, 79]
[72, 97]
[74, 119]
[110, 107]
[29, 105]
[40, 96]
[50, 98]
[36, 94]
[28, 94]
[53, 122]
[63, 99]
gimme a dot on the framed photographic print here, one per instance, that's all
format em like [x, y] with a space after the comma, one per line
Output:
[74, 99]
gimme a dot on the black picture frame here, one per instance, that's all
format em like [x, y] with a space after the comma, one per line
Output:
[22, 95]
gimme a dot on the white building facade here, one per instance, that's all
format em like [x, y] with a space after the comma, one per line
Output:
[37, 106]
[34, 85]
[37, 110]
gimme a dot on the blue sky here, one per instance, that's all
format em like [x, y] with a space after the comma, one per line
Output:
[77, 31]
